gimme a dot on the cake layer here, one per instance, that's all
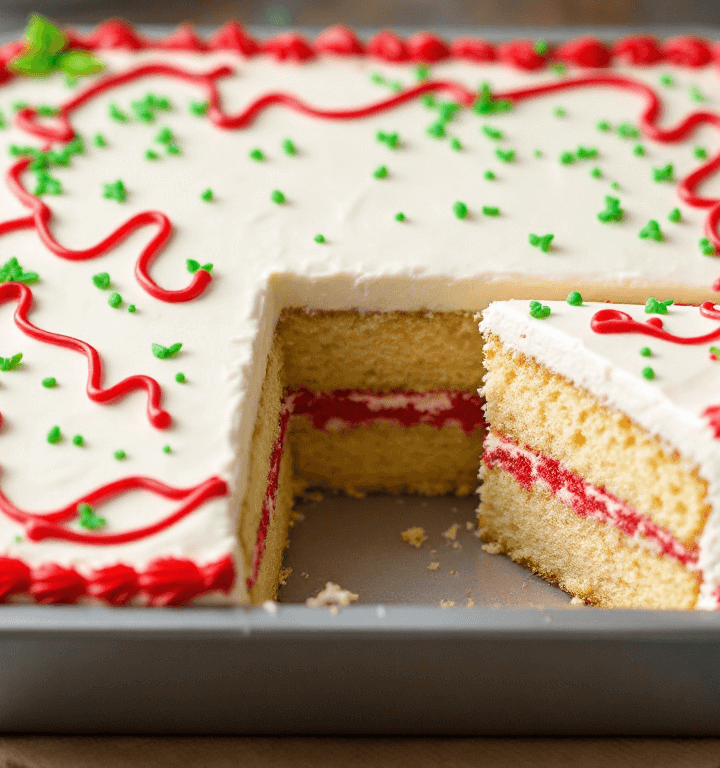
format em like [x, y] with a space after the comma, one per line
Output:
[585, 552]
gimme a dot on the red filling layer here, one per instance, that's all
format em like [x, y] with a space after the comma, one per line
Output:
[529, 468]
[354, 408]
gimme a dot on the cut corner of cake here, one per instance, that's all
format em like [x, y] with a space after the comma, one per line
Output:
[601, 463]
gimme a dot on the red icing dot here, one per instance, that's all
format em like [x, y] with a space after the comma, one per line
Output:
[340, 40]
[424, 46]
[171, 581]
[53, 584]
[14, 577]
[115, 33]
[583, 52]
[521, 54]
[233, 37]
[116, 585]
[638, 50]
[388, 46]
[687, 51]
[184, 39]
[472, 49]
[219, 576]
[289, 47]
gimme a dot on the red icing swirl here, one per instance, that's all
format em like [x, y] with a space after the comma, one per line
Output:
[472, 49]
[184, 38]
[687, 51]
[233, 37]
[289, 47]
[52, 584]
[388, 46]
[116, 584]
[521, 54]
[584, 52]
[426, 47]
[339, 40]
[14, 577]
[638, 50]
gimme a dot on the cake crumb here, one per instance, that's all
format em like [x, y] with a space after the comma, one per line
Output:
[451, 532]
[470, 603]
[433, 566]
[447, 603]
[295, 517]
[284, 573]
[456, 545]
[577, 601]
[305, 574]
[492, 548]
[270, 606]
[332, 596]
[453, 573]
[469, 526]
[414, 536]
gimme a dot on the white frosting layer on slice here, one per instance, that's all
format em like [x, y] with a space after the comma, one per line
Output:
[670, 406]
[265, 257]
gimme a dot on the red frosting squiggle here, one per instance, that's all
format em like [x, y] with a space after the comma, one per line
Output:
[24, 297]
[50, 525]
[529, 468]
[607, 321]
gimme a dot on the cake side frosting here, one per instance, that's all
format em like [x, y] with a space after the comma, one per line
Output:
[266, 254]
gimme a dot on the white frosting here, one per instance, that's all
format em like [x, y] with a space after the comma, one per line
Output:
[265, 258]
[609, 366]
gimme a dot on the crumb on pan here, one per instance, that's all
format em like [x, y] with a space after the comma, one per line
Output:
[414, 536]
[332, 596]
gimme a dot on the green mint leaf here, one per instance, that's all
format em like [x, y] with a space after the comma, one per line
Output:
[192, 265]
[174, 349]
[76, 63]
[207, 267]
[34, 62]
[160, 352]
[8, 363]
[43, 35]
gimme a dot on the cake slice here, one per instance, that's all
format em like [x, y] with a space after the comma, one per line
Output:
[601, 465]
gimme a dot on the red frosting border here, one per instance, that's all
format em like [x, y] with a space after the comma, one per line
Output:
[386, 45]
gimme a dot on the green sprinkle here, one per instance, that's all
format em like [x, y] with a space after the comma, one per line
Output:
[586, 153]
[207, 195]
[574, 299]
[436, 130]
[646, 351]
[492, 133]
[101, 280]
[131, 308]
[613, 211]
[180, 378]
[319, 238]
[391, 139]
[46, 111]
[120, 455]
[115, 300]
[559, 67]
[456, 144]
[151, 154]
[429, 100]
[559, 112]
[165, 136]
[377, 78]
[651, 231]
[381, 172]
[10, 363]
[277, 197]
[99, 140]
[596, 173]
[199, 108]
[667, 81]
[700, 153]
[256, 154]
[567, 158]
[666, 173]
[539, 311]
[628, 131]
[537, 153]
[648, 373]
[506, 155]
[543, 242]
[78, 440]
[18, 105]
[173, 149]
[11, 271]
[638, 150]
[49, 382]
[675, 216]
[289, 148]
[164, 353]
[18, 539]
[490, 210]
[115, 191]
[604, 126]
[695, 93]
[541, 47]
[88, 519]
[715, 353]
[54, 436]
[489, 176]
[655, 307]
[614, 185]
[422, 72]
[117, 114]
[447, 110]
[460, 210]
[167, 449]
[400, 216]
[706, 247]
[486, 104]
[396, 86]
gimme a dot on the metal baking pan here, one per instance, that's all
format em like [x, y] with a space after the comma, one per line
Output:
[521, 661]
